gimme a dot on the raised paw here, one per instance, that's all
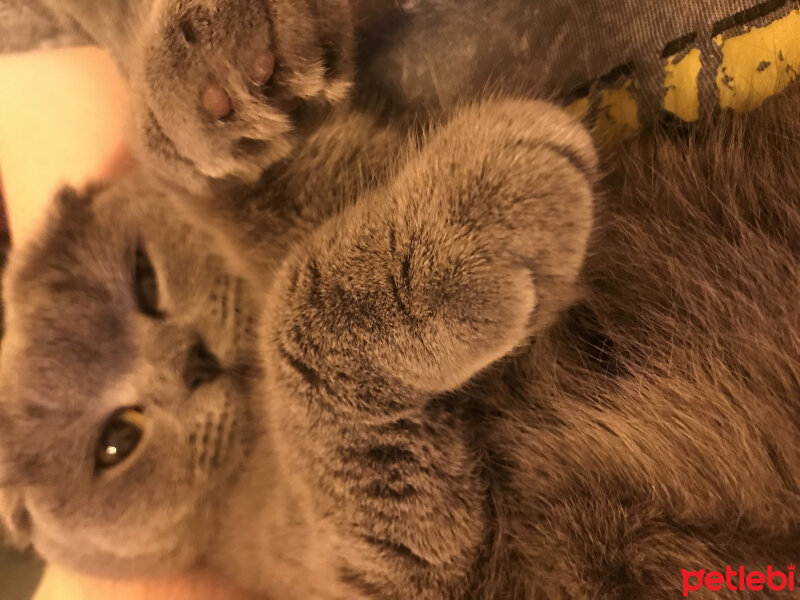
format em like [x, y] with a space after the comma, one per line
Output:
[220, 88]
[497, 212]
[475, 245]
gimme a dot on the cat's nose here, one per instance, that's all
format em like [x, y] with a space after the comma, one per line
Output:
[201, 367]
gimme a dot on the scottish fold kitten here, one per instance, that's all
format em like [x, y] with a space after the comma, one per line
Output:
[440, 363]
[367, 417]
[285, 410]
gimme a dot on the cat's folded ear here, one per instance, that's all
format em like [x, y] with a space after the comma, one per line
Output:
[70, 212]
[70, 199]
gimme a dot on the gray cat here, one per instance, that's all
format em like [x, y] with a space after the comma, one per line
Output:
[392, 369]
[303, 400]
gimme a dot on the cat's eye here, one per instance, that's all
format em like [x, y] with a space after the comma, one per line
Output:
[145, 285]
[121, 435]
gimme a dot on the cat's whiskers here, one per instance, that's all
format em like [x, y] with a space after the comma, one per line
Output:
[210, 442]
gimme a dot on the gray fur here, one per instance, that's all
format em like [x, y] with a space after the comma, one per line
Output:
[430, 387]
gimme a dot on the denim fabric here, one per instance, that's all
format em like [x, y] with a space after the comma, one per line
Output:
[588, 38]
[436, 52]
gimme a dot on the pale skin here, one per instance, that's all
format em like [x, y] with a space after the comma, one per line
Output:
[63, 120]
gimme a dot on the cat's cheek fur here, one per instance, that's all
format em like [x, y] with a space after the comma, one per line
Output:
[92, 552]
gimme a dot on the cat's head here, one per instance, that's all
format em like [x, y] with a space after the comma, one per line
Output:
[126, 376]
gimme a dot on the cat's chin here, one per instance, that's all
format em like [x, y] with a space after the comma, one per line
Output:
[126, 555]
[82, 559]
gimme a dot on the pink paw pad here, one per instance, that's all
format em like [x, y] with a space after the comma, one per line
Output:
[262, 68]
[217, 102]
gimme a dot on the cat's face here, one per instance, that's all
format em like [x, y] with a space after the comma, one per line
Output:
[125, 376]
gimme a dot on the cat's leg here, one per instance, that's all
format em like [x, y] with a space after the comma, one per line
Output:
[257, 226]
[475, 245]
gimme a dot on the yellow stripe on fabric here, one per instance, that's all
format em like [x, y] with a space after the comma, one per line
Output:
[758, 63]
[682, 98]
[618, 114]
[579, 109]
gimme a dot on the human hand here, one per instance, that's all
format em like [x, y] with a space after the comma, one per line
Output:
[62, 120]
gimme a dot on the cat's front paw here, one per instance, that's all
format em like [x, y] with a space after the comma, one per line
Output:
[220, 88]
[501, 206]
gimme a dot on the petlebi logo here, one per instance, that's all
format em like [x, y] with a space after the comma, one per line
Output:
[738, 580]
